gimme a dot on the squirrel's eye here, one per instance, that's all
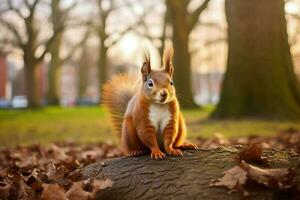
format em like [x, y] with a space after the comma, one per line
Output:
[172, 83]
[150, 83]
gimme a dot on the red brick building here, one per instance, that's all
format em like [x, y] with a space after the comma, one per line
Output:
[3, 76]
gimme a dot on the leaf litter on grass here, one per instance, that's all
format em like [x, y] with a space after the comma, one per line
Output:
[39, 172]
[36, 172]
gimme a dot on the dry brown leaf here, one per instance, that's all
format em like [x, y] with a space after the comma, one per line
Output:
[76, 192]
[58, 175]
[53, 192]
[30, 163]
[98, 185]
[235, 178]
[232, 178]
[34, 181]
[4, 191]
[25, 169]
[102, 184]
[19, 189]
[281, 178]
[58, 153]
[75, 175]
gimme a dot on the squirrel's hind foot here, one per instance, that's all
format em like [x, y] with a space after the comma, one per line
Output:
[187, 146]
[136, 153]
[175, 152]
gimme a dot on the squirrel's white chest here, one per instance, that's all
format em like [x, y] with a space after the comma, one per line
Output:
[159, 116]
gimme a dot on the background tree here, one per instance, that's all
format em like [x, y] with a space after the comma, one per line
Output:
[260, 78]
[60, 17]
[144, 31]
[108, 39]
[83, 64]
[183, 22]
[28, 42]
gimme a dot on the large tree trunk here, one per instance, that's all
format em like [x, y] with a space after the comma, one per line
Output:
[54, 72]
[102, 66]
[186, 177]
[260, 80]
[31, 65]
[83, 72]
[182, 58]
[31, 77]
[53, 83]
[57, 19]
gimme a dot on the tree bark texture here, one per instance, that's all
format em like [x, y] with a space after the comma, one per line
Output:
[31, 65]
[28, 41]
[102, 65]
[186, 177]
[32, 82]
[54, 72]
[83, 72]
[260, 79]
[182, 58]
[56, 62]
[31, 77]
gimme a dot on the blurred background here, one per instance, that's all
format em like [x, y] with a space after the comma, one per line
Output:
[237, 64]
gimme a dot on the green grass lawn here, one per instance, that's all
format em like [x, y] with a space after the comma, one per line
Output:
[91, 124]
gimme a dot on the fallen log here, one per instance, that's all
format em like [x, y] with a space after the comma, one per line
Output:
[186, 177]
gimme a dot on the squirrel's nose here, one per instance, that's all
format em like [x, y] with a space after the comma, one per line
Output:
[163, 94]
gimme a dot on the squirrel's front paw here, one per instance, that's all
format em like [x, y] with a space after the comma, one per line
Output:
[157, 154]
[174, 152]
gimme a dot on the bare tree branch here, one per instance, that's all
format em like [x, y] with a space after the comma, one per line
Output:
[147, 35]
[214, 25]
[49, 43]
[140, 21]
[12, 29]
[65, 14]
[215, 41]
[76, 47]
[122, 33]
[12, 8]
[142, 24]
[296, 16]
[126, 4]
[59, 30]
[194, 17]
[105, 12]
[27, 3]
[71, 7]
[31, 8]
[4, 42]
[34, 4]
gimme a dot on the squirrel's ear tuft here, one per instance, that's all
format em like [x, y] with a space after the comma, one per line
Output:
[146, 68]
[167, 59]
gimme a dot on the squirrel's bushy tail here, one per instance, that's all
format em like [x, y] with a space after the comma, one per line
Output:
[116, 95]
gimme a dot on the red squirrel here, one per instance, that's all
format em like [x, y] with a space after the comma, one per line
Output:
[146, 112]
